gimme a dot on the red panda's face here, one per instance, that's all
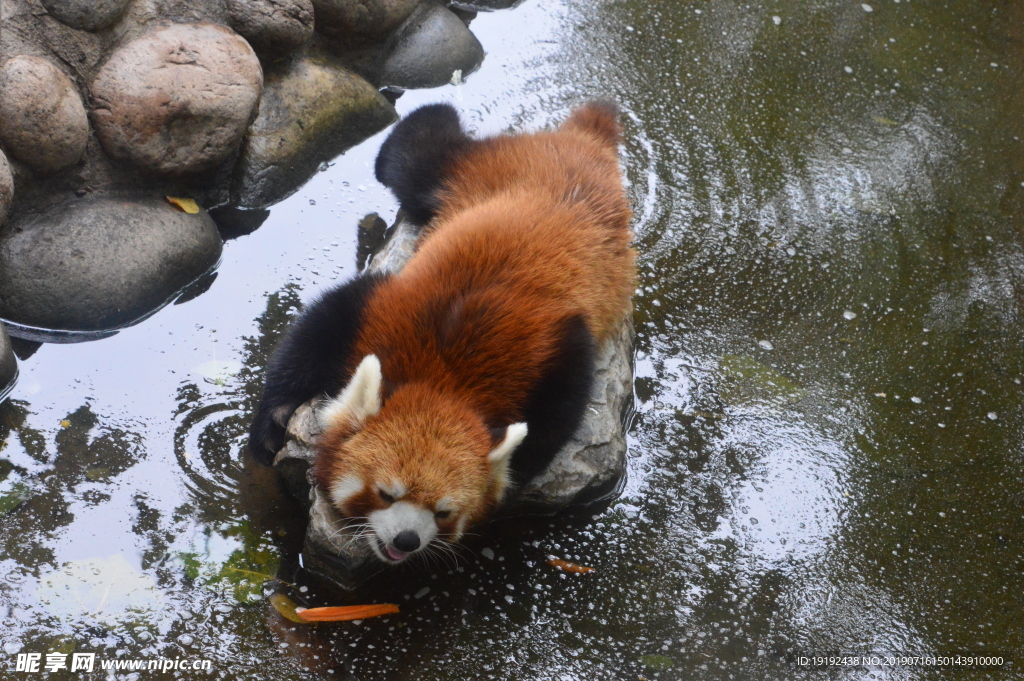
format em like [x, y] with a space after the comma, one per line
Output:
[412, 492]
[419, 469]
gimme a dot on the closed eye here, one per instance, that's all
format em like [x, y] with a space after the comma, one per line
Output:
[441, 515]
[386, 497]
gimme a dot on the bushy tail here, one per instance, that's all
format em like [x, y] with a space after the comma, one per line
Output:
[600, 118]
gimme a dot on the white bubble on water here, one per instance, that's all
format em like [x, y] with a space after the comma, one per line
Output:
[777, 20]
[767, 345]
[992, 415]
[849, 314]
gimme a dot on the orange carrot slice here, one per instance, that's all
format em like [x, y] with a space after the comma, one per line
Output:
[566, 566]
[345, 612]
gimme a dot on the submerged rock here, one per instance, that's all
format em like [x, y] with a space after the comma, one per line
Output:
[8, 365]
[429, 48]
[43, 122]
[87, 15]
[272, 27]
[588, 468]
[100, 263]
[177, 100]
[6, 188]
[312, 110]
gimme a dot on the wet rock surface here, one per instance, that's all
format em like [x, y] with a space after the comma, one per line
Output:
[272, 27]
[354, 19]
[177, 100]
[6, 188]
[99, 263]
[429, 48]
[87, 15]
[43, 122]
[586, 469]
[313, 108]
[485, 5]
[8, 365]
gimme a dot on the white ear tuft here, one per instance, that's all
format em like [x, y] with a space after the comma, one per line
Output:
[358, 401]
[501, 456]
[514, 435]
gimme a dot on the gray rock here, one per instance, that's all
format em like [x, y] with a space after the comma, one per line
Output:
[429, 48]
[272, 27]
[8, 365]
[485, 5]
[588, 468]
[6, 189]
[100, 263]
[177, 100]
[87, 15]
[361, 18]
[312, 110]
[43, 123]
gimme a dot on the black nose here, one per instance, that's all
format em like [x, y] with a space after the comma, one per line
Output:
[407, 541]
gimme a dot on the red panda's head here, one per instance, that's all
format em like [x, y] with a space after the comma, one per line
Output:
[419, 468]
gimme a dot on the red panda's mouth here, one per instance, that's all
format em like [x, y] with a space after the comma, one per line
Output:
[394, 554]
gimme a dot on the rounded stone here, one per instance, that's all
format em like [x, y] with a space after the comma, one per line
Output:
[98, 263]
[87, 15]
[8, 365]
[177, 100]
[365, 18]
[43, 123]
[429, 48]
[6, 188]
[313, 109]
[272, 27]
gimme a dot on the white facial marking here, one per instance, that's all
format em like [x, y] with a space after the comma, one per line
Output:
[360, 399]
[399, 517]
[446, 504]
[396, 490]
[460, 527]
[344, 488]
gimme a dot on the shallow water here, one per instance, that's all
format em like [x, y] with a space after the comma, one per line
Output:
[826, 455]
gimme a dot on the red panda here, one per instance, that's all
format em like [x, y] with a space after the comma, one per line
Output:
[460, 377]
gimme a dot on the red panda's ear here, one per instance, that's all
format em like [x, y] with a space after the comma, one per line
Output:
[514, 435]
[500, 457]
[358, 401]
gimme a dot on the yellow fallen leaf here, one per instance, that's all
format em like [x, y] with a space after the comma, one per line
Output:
[187, 205]
[64, 423]
[884, 121]
[286, 607]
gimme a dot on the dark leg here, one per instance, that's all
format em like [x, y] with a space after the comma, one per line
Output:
[556, 406]
[312, 359]
[415, 157]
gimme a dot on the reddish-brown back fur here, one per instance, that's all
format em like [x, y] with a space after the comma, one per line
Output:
[533, 230]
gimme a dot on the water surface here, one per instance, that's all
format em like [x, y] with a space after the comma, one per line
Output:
[827, 450]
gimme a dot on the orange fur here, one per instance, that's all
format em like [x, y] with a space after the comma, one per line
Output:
[533, 230]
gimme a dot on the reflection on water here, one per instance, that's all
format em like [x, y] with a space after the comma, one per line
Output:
[826, 454]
